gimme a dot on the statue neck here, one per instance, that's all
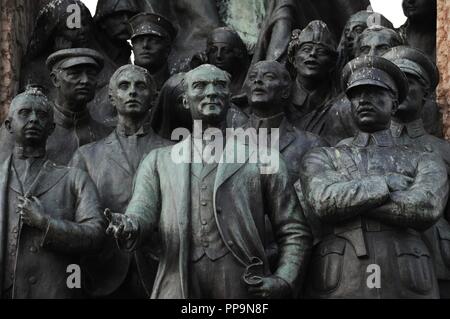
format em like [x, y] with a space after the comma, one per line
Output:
[130, 125]
[70, 106]
[30, 151]
[308, 83]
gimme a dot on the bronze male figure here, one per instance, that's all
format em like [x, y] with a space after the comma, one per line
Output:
[211, 216]
[50, 215]
[112, 163]
[371, 199]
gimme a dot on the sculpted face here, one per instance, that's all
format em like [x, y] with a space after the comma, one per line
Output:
[313, 61]
[352, 31]
[415, 9]
[30, 121]
[76, 84]
[372, 107]
[411, 108]
[132, 94]
[116, 25]
[207, 94]
[223, 51]
[375, 43]
[150, 51]
[266, 87]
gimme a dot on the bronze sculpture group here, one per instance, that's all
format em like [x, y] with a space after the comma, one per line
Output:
[92, 175]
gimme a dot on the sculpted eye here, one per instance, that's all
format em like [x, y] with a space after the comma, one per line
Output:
[365, 49]
[141, 86]
[42, 114]
[123, 86]
[221, 84]
[306, 49]
[198, 86]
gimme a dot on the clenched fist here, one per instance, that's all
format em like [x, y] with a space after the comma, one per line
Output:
[32, 212]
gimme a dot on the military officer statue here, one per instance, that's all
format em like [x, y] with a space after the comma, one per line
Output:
[210, 215]
[74, 74]
[373, 199]
[408, 129]
[50, 215]
[152, 36]
[132, 92]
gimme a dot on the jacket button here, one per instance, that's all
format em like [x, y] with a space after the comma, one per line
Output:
[204, 187]
[33, 249]
[230, 243]
[206, 245]
[15, 230]
[204, 222]
[203, 203]
[32, 280]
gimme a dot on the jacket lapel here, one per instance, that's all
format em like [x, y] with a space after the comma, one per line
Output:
[116, 155]
[4, 176]
[235, 156]
[48, 178]
[287, 136]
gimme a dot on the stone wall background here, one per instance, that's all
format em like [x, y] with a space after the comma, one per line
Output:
[443, 45]
[16, 23]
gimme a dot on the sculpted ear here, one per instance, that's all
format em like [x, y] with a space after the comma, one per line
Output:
[185, 103]
[286, 93]
[54, 79]
[8, 125]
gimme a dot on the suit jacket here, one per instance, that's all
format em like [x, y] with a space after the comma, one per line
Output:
[112, 173]
[76, 228]
[242, 197]
[294, 144]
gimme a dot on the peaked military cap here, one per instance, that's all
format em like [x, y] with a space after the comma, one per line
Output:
[150, 23]
[375, 71]
[67, 58]
[413, 61]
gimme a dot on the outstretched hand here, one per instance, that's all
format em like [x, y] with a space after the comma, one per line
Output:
[120, 226]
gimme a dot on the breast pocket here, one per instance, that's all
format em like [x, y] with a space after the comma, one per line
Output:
[327, 265]
[414, 266]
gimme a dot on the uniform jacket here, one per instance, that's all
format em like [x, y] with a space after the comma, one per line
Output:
[361, 222]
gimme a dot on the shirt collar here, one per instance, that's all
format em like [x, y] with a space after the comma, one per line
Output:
[413, 129]
[68, 119]
[267, 122]
[381, 138]
[23, 152]
[143, 131]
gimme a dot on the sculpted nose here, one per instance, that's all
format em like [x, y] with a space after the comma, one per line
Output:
[210, 91]
[84, 78]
